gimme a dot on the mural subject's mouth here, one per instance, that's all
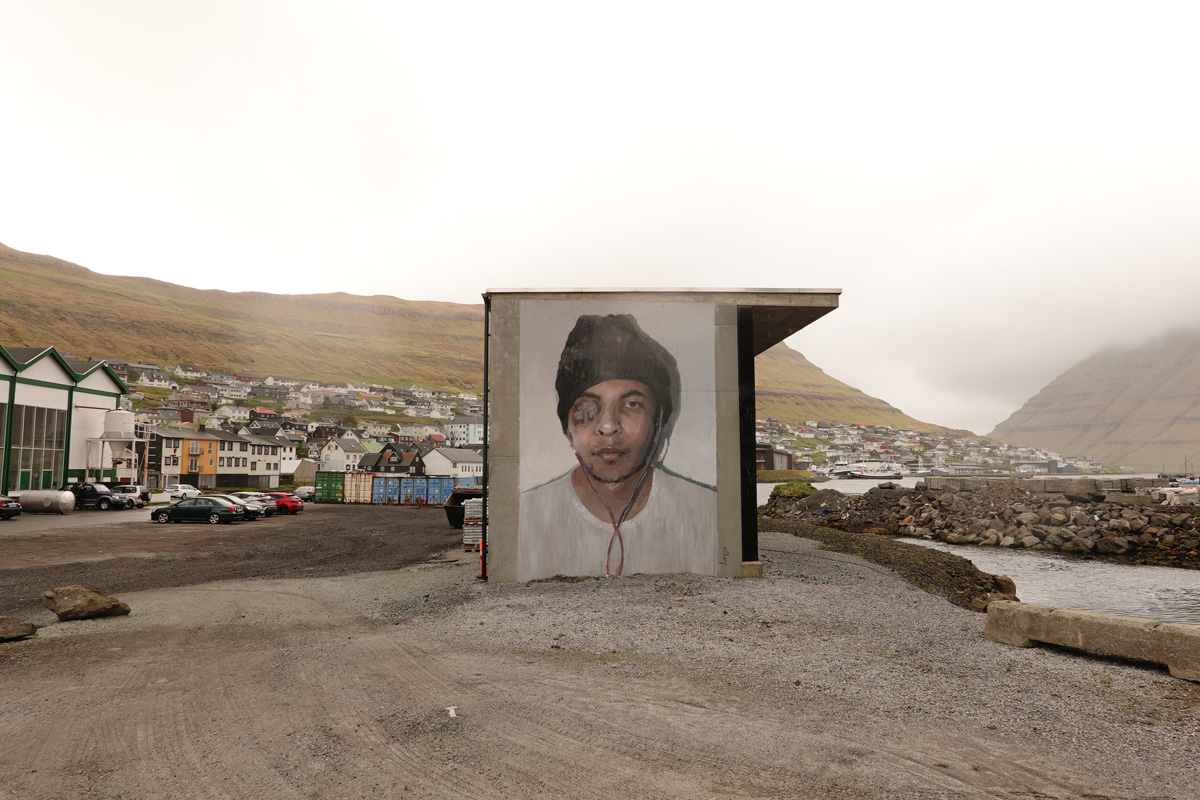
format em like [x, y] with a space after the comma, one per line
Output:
[609, 454]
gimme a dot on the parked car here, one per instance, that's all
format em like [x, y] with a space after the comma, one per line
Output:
[97, 495]
[9, 507]
[177, 490]
[265, 500]
[287, 503]
[306, 493]
[140, 494]
[200, 509]
[252, 510]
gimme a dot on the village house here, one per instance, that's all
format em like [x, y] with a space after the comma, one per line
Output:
[393, 458]
[455, 462]
[340, 454]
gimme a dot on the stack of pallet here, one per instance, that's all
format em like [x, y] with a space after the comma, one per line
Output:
[472, 523]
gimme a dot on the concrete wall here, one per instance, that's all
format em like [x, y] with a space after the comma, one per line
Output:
[1048, 484]
[1174, 645]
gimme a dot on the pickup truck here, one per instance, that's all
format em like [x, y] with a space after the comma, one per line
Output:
[97, 495]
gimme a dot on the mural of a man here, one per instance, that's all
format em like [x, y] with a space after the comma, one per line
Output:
[618, 511]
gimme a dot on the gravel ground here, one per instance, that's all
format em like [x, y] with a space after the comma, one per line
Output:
[830, 677]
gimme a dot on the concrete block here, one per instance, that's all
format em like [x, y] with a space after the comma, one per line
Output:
[1175, 645]
[752, 569]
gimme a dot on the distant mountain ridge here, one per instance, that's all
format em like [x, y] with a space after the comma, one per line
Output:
[379, 339]
[1138, 407]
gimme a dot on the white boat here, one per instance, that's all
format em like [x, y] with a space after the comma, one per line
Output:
[870, 469]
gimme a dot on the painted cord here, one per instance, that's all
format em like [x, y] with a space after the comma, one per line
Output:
[616, 523]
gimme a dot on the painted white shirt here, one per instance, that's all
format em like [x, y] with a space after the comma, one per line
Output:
[676, 531]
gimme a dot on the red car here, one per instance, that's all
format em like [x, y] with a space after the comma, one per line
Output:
[287, 503]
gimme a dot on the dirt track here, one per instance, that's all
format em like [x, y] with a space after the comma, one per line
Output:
[830, 678]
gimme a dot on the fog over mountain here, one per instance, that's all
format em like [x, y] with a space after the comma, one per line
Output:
[1137, 407]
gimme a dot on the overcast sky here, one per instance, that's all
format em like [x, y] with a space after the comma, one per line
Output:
[998, 190]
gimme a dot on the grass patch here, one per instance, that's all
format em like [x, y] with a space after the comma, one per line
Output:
[793, 489]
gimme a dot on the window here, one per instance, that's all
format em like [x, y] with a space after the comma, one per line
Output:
[221, 460]
[193, 448]
[193, 465]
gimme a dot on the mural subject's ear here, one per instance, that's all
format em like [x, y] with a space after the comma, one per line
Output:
[570, 441]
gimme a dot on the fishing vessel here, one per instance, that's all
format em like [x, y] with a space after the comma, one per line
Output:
[870, 469]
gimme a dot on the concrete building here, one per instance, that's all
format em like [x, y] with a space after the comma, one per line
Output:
[465, 430]
[671, 372]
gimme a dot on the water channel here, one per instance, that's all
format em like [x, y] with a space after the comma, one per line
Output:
[1166, 594]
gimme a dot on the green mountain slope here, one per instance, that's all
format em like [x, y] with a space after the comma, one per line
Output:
[380, 339]
[325, 336]
[791, 388]
[1137, 407]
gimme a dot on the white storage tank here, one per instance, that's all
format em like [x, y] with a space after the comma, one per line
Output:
[119, 425]
[46, 501]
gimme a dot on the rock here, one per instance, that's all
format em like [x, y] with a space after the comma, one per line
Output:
[79, 602]
[1114, 544]
[1028, 518]
[1005, 584]
[1079, 494]
[1058, 519]
[1030, 541]
[1057, 540]
[1077, 545]
[11, 629]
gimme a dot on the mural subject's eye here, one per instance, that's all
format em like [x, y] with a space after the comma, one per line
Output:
[584, 411]
[635, 403]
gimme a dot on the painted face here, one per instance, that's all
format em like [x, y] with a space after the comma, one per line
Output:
[611, 426]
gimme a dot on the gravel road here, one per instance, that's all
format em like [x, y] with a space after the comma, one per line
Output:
[384, 672]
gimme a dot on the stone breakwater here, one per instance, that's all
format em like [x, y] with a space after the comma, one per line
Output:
[1125, 520]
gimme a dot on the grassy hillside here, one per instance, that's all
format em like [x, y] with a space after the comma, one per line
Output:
[380, 339]
[326, 336]
[791, 388]
[1139, 408]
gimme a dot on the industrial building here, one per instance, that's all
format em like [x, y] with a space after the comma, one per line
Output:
[52, 418]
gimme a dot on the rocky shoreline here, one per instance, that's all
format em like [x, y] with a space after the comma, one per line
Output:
[1074, 519]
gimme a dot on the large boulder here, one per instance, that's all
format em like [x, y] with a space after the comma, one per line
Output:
[79, 602]
[12, 629]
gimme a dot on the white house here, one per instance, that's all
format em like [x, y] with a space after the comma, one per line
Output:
[189, 372]
[157, 379]
[238, 414]
[340, 454]
[455, 462]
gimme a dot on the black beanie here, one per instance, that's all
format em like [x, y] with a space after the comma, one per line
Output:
[609, 348]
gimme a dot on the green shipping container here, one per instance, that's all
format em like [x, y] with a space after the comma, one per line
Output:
[330, 487]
